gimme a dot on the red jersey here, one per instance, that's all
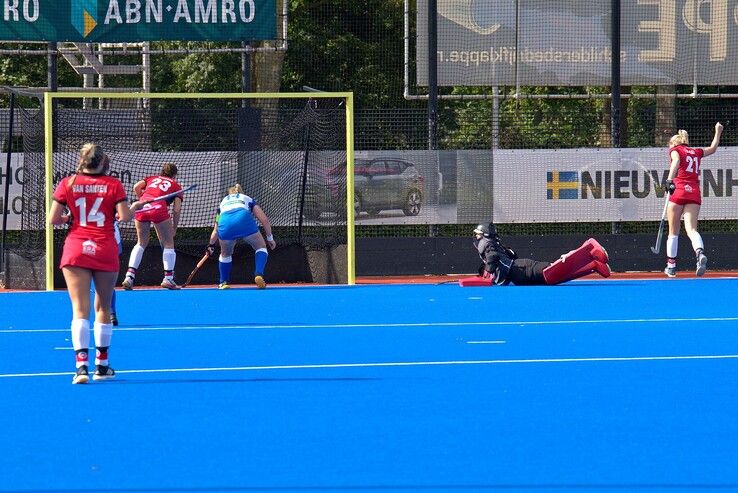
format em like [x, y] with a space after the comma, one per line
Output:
[687, 180]
[91, 200]
[156, 186]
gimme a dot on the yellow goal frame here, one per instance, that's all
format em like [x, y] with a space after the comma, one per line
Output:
[50, 97]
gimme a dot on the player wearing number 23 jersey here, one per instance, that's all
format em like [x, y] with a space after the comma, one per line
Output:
[687, 180]
[92, 201]
[157, 186]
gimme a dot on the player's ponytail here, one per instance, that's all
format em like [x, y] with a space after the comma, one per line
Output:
[681, 138]
[91, 157]
[235, 189]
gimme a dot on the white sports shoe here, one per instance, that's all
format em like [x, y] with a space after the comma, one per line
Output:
[128, 283]
[701, 264]
[169, 283]
[670, 270]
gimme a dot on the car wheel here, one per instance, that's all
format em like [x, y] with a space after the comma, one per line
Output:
[412, 203]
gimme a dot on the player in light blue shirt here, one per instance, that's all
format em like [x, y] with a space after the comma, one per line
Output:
[236, 219]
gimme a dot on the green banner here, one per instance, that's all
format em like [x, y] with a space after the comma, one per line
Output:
[128, 21]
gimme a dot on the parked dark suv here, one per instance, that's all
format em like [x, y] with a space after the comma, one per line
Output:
[386, 184]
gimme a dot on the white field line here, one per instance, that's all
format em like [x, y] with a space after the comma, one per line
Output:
[401, 325]
[397, 364]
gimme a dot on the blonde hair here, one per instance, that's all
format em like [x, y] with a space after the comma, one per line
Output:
[91, 157]
[680, 138]
[235, 189]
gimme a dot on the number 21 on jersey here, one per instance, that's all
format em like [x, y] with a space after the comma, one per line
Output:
[693, 164]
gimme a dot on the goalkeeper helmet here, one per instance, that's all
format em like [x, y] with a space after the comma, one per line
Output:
[482, 229]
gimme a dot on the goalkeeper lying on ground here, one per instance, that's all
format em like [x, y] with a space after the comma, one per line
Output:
[501, 265]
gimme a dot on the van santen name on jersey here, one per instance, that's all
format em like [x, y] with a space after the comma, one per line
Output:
[623, 184]
[90, 188]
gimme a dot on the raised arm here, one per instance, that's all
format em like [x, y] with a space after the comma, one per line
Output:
[715, 140]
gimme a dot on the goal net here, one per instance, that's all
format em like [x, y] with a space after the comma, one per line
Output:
[292, 152]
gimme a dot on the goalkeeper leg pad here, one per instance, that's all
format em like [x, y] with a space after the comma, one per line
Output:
[569, 265]
[597, 251]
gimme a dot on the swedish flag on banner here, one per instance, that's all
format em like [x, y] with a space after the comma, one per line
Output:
[562, 185]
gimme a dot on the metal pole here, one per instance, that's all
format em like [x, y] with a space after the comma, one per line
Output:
[245, 70]
[6, 202]
[52, 63]
[433, 87]
[615, 75]
[432, 74]
[615, 84]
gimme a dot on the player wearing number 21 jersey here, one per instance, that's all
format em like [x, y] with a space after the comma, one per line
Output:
[685, 199]
[687, 180]
[92, 200]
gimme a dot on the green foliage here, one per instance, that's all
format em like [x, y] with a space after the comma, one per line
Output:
[347, 46]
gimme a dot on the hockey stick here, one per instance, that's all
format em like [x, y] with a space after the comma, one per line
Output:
[197, 267]
[660, 234]
[170, 195]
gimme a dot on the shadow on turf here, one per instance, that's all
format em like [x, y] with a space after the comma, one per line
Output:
[236, 380]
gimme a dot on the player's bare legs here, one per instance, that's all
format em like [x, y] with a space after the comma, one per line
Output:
[691, 213]
[78, 286]
[165, 233]
[674, 215]
[103, 328]
[143, 229]
[261, 255]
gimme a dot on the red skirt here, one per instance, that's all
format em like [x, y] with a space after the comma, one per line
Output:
[686, 193]
[90, 254]
[153, 213]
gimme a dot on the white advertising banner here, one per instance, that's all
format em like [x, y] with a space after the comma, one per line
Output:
[568, 42]
[609, 185]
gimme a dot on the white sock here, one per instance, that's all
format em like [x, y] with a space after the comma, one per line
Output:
[103, 335]
[81, 340]
[672, 246]
[169, 258]
[80, 334]
[136, 256]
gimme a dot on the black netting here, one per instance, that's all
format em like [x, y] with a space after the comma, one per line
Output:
[290, 155]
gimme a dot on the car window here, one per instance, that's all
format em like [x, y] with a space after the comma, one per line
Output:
[376, 168]
[394, 167]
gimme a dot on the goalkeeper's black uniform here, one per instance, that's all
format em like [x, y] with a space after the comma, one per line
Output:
[504, 265]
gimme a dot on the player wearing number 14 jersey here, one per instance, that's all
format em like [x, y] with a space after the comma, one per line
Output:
[157, 212]
[683, 185]
[91, 240]
[91, 253]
